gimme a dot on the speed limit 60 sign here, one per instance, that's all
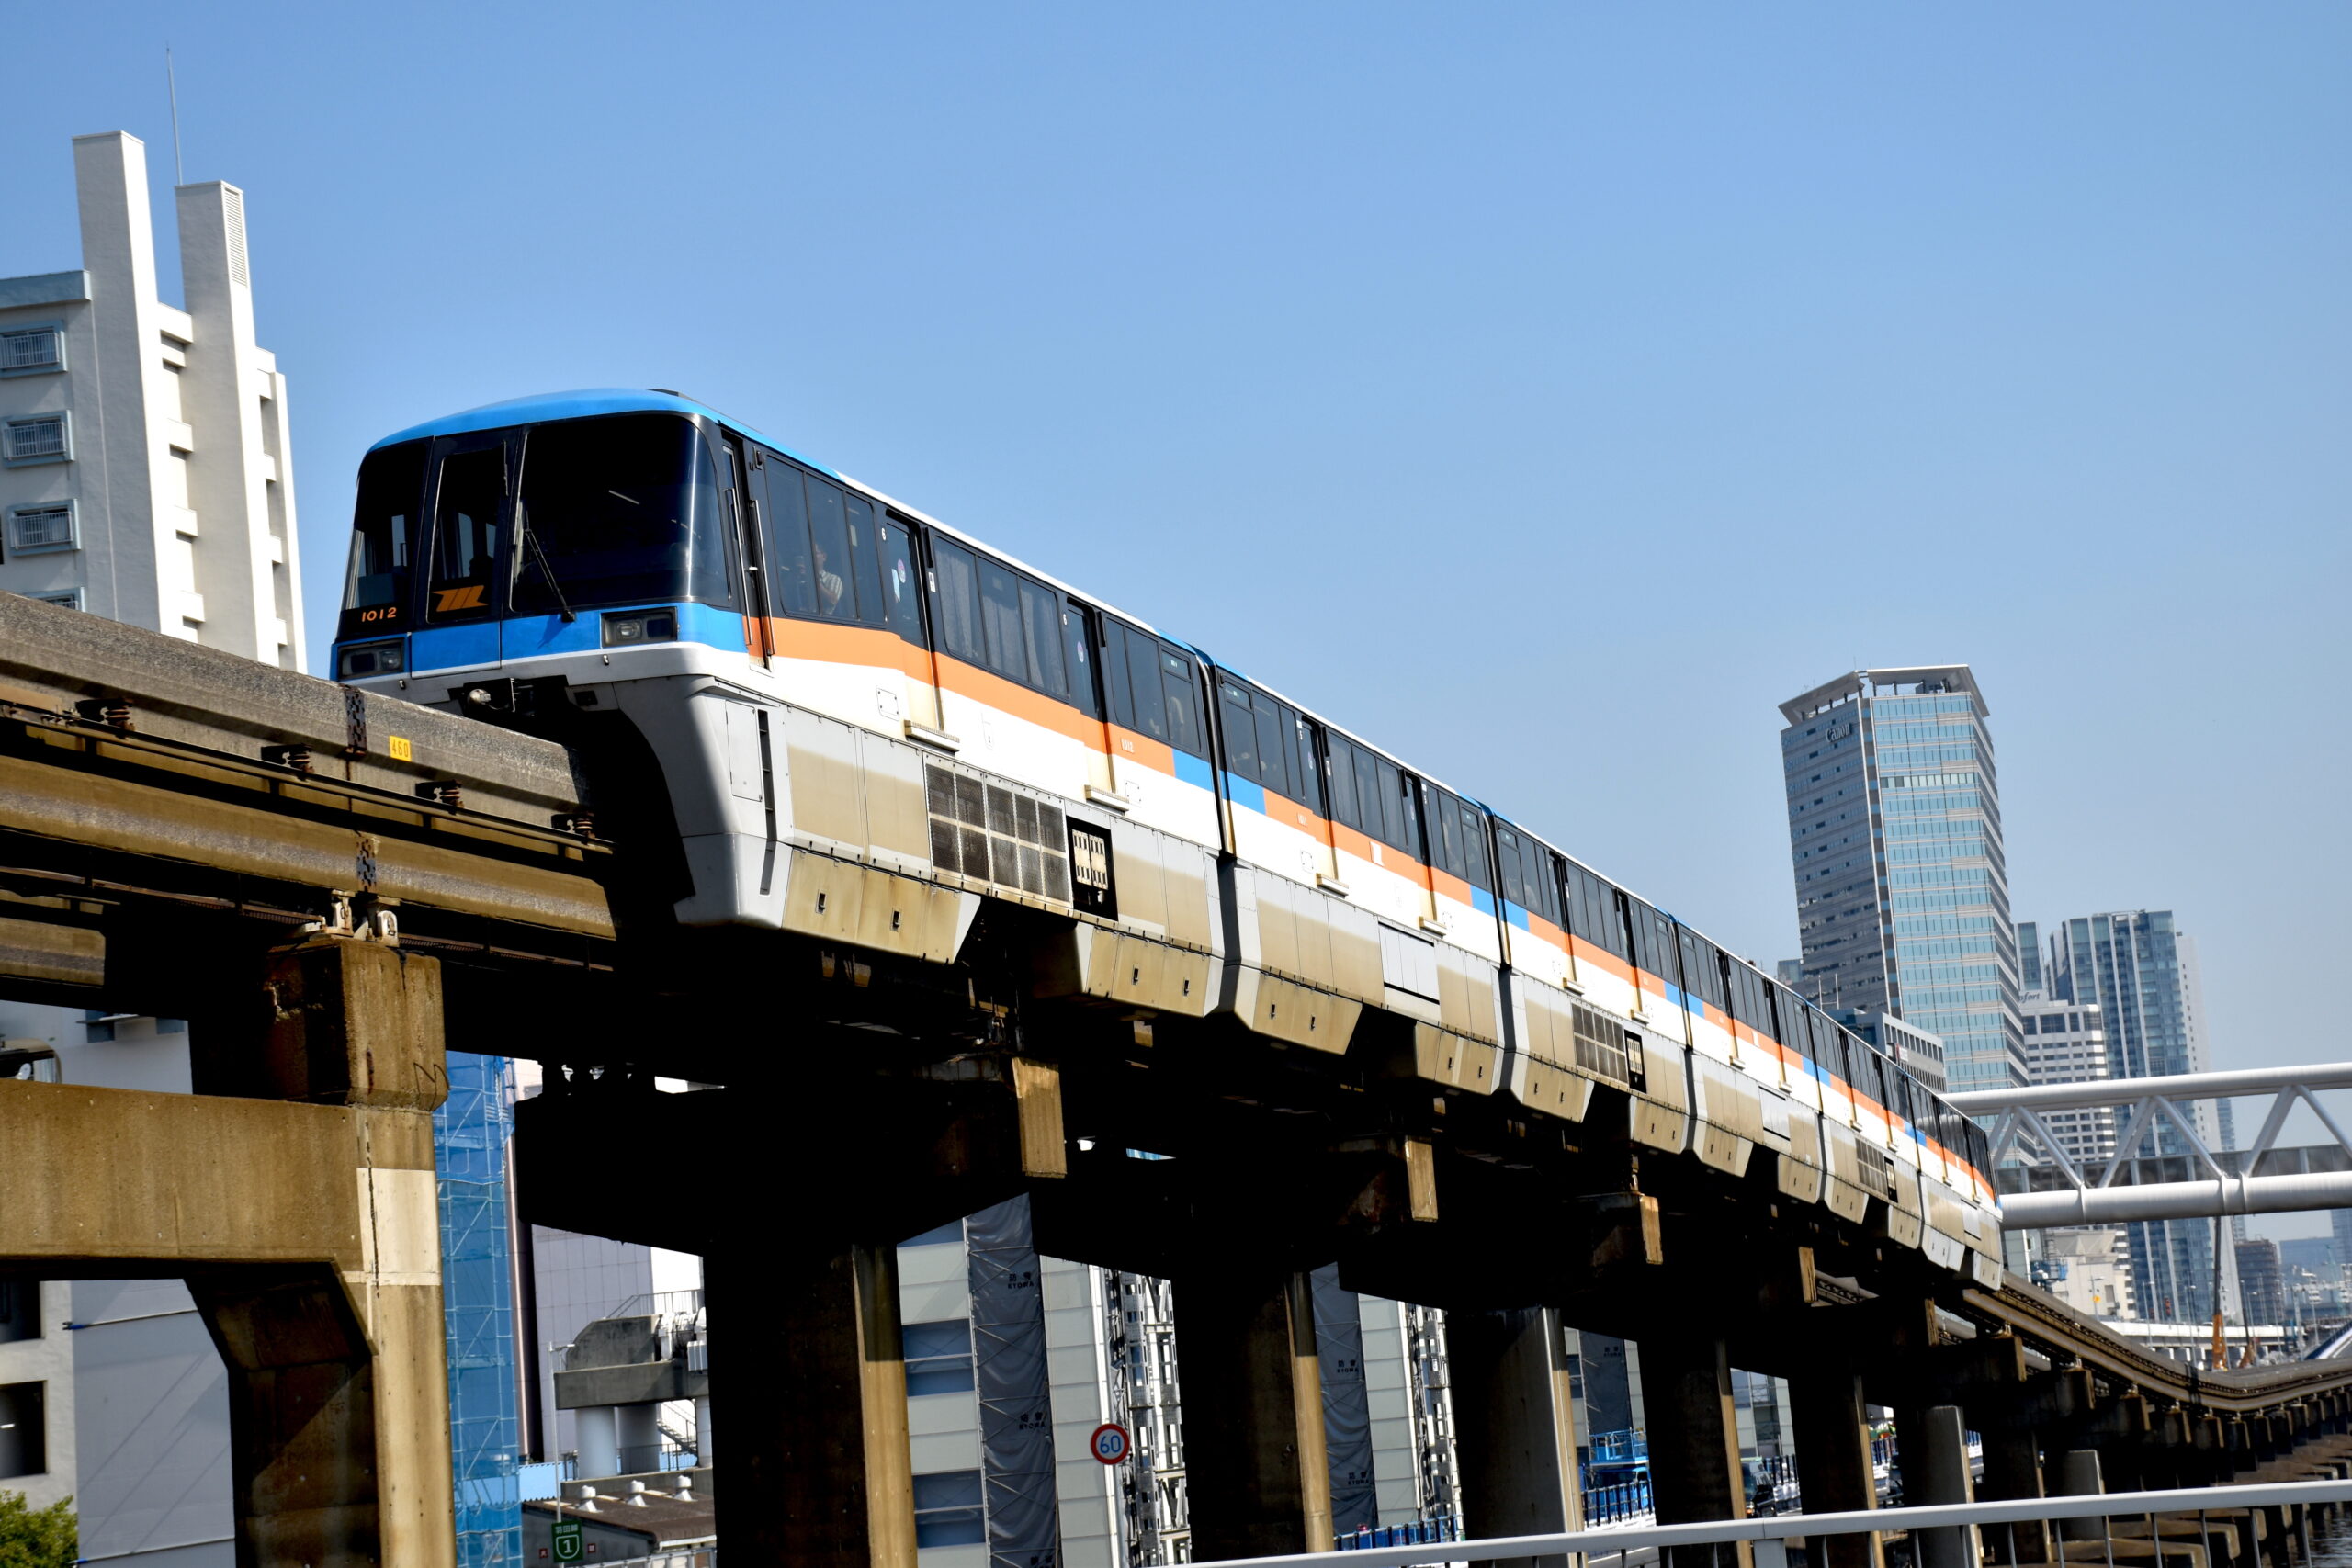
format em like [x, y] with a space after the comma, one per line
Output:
[1110, 1442]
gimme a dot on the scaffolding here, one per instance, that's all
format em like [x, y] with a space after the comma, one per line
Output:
[470, 1146]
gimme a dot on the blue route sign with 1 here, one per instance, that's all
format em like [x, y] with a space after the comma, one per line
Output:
[1110, 1442]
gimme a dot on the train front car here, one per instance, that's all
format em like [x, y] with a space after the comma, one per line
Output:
[574, 564]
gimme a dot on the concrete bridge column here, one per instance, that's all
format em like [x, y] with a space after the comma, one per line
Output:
[1833, 1453]
[1934, 1470]
[338, 1387]
[1257, 1472]
[809, 1357]
[1992, 1394]
[1513, 1426]
[1694, 1441]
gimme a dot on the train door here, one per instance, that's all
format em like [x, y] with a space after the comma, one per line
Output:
[467, 552]
[742, 511]
[1085, 638]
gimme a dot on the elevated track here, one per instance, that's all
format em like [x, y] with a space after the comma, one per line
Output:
[332, 885]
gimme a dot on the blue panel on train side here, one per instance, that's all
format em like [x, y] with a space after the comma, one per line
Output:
[453, 647]
[1195, 771]
[1481, 900]
[534, 636]
[1516, 915]
[1244, 792]
[712, 628]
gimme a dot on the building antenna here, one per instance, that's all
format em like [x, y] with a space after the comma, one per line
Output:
[172, 83]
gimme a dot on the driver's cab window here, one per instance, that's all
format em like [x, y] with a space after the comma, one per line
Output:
[469, 513]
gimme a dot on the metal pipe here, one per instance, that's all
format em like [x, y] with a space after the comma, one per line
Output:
[2177, 1201]
[2129, 1091]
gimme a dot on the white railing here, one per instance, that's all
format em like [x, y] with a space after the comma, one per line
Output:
[1787, 1527]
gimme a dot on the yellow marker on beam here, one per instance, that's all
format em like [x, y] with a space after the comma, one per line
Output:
[398, 747]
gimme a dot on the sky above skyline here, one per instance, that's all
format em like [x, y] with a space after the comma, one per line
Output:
[1547, 393]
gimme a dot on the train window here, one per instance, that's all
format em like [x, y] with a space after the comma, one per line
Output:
[1000, 619]
[1702, 967]
[1400, 815]
[1181, 686]
[791, 585]
[466, 524]
[1508, 854]
[1240, 730]
[830, 570]
[959, 602]
[1653, 937]
[865, 556]
[614, 510]
[1340, 781]
[1526, 874]
[902, 605]
[1262, 740]
[1077, 638]
[1446, 832]
[1592, 911]
[1273, 755]
[383, 538]
[1117, 691]
[1474, 846]
[1041, 628]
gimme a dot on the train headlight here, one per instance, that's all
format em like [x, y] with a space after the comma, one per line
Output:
[625, 628]
[369, 658]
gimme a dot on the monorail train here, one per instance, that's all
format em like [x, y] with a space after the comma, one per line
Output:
[868, 724]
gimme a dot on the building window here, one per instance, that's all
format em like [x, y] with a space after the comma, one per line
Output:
[24, 1434]
[71, 598]
[36, 530]
[38, 438]
[939, 1356]
[19, 1310]
[947, 1508]
[32, 351]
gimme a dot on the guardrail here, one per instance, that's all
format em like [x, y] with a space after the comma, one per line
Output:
[2127, 1506]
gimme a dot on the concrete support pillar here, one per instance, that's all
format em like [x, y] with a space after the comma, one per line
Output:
[2012, 1471]
[2079, 1476]
[1834, 1456]
[1935, 1470]
[1513, 1426]
[1257, 1472]
[702, 1431]
[637, 1433]
[815, 1378]
[339, 1396]
[596, 1431]
[1694, 1441]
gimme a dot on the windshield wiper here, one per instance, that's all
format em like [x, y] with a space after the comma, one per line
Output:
[531, 542]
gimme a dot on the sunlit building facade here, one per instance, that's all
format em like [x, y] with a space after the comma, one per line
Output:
[1894, 833]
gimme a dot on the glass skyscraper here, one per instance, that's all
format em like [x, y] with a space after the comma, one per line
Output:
[1903, 895]
[2141, 971]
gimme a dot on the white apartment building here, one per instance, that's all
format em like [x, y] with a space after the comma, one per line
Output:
[144, 476]
[143, 447]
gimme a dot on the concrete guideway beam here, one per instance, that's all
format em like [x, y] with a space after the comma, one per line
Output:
[309, 1234]
[1514, 1426]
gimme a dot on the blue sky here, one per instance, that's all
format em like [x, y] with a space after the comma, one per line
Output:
[1546, 391]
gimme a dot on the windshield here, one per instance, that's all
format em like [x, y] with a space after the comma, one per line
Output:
[383, 540]
[619, 510]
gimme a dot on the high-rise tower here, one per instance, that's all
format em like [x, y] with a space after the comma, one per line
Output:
[2141, 971]
[1903, 897]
